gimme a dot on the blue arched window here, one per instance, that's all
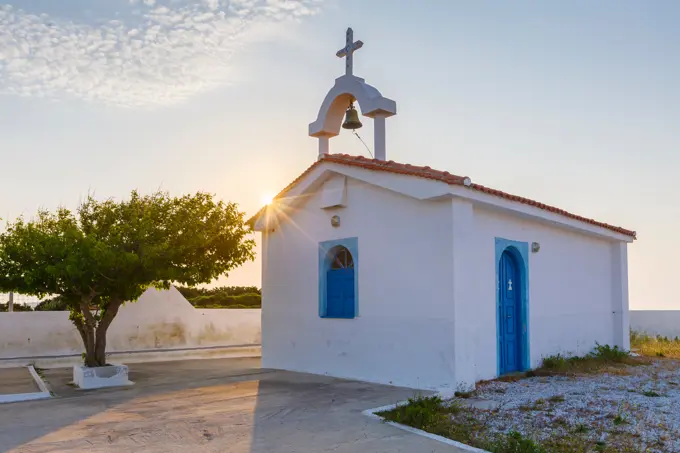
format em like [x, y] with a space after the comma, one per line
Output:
[338, 279]
[341, 258]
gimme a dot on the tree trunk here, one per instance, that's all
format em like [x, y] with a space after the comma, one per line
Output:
[86, 326]
[107, 317]
[87, 335]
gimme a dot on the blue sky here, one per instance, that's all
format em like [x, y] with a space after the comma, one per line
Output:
[574, 103]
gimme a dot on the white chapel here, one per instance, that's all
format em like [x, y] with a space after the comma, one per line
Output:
[399, 274]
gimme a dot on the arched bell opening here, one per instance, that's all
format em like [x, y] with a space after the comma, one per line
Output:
[337, 113]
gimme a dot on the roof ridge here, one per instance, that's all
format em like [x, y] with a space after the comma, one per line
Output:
[442, 176]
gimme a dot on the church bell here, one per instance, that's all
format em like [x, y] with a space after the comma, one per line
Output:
[351, 118]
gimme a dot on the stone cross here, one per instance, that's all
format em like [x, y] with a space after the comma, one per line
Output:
[348, 50]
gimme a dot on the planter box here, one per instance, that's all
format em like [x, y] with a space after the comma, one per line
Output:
[103, 376]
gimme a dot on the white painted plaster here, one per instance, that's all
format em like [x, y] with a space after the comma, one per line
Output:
[379, 136]
[466, 322]
[656, 322]
[18, 397]
[100, 377]
[38, 380]
[427, 282]
[400, 337]
[620, 304]
[324, 145]
[571, 296]
[334, 194]
[159, 320]
[331, 113]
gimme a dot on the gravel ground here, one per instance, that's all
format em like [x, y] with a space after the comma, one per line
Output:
[642, 407]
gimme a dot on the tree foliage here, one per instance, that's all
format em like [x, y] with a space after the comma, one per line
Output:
[109, 252]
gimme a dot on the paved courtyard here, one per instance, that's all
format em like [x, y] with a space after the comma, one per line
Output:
[223, 405]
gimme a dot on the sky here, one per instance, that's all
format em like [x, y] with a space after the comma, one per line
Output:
[575, 104]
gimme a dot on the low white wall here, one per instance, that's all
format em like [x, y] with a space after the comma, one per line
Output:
[656, 322]
[159, 320]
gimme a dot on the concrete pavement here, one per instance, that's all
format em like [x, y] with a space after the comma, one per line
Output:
[17, 380]
[225, 405]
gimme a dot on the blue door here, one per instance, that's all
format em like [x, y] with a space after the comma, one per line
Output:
[340, 297]
[510, 315]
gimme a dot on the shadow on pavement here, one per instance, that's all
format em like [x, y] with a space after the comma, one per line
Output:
[213, 405]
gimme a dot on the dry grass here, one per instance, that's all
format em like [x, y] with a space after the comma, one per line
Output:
[655, 346]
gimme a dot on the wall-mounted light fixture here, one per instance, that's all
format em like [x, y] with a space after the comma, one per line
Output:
[335, 221]
[535, 247]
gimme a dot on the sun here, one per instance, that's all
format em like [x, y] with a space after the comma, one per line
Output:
[267, 199]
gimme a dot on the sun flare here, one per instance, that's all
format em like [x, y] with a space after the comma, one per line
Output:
[267, 199]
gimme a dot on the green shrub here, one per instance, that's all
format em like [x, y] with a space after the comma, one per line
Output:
[223, 297]
[421, 413]
[430, 414]
[227, 301]
[606, 352]
[556, 362]
[600, 358]
[54, 304]
[15, 307]
[192, 292]
[514, 442]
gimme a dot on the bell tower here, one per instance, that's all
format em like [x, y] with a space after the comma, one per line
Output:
[340, 101]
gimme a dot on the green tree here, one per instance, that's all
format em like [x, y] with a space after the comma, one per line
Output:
[108, 252]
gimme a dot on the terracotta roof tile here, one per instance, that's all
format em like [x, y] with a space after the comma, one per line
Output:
[443, 176]
[553, 209]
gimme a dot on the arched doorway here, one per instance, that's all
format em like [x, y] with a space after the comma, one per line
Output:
[340, 296]
[510, 313]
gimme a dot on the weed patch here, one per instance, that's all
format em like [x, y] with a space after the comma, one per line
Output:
[471, 427]
[602, 358]
[651, 394]
[557, 399]
[464, 395]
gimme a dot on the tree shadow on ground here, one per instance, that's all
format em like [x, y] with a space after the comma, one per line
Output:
[220, 405]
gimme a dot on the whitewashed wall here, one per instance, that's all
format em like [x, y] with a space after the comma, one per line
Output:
[403, 334]
[159, 320]
[572, 282]
[656, 322]
[427, 289]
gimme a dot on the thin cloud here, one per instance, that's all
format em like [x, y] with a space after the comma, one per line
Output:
[161, 53]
